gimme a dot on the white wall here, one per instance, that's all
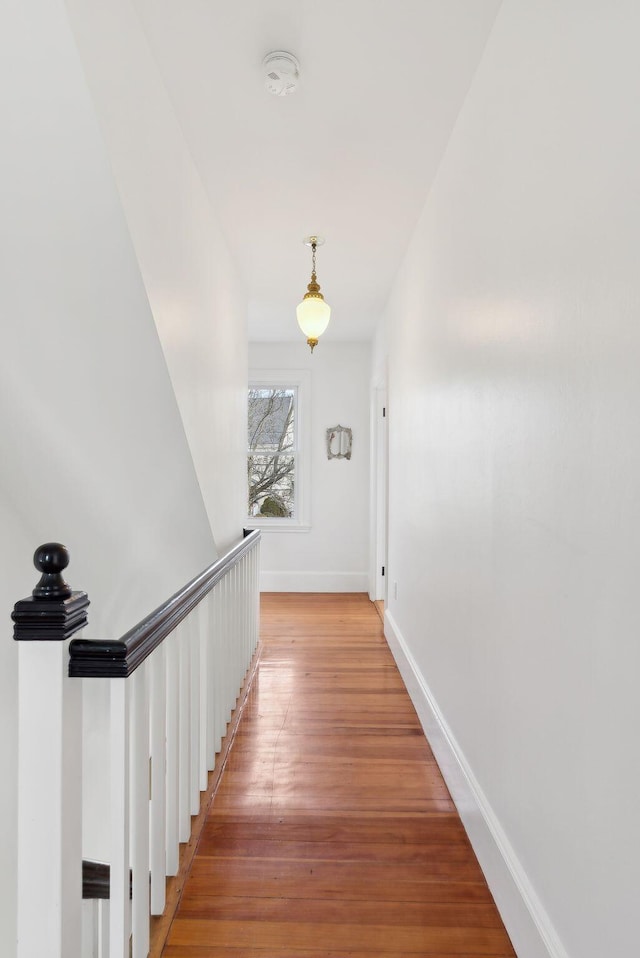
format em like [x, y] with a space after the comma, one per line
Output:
[93, 447]
[195, 296]
[514, 338]
[333, 555]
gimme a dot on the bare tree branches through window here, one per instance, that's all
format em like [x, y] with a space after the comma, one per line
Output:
[271, 461]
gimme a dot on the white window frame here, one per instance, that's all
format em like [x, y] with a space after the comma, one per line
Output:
[300, 379]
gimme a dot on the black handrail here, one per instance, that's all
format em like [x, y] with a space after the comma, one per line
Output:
[118, 658]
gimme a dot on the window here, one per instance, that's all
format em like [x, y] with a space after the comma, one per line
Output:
[275, 464]
[273, 451]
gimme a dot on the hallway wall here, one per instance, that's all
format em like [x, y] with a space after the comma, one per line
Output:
[93, 447]
[333, 555]
[195, 295]
[513, 342]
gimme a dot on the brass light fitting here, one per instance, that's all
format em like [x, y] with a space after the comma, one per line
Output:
[313, 313]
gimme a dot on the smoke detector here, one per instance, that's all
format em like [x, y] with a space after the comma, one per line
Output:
[281, 72]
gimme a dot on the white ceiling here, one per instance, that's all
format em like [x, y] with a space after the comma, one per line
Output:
[350, 155]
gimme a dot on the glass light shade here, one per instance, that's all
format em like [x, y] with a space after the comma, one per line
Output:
[313, 316]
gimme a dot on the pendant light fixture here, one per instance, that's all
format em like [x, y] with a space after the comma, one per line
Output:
[313, 313]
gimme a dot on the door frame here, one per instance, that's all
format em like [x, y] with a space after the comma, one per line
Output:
[378, 588]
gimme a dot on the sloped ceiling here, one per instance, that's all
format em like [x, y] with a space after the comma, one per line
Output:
[350, 155]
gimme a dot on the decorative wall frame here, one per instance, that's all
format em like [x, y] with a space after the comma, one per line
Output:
[339, 442]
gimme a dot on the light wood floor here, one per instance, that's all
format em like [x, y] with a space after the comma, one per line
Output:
[332, 834]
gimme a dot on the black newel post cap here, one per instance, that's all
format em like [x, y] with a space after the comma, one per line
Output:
[50, 559]
[53, 611]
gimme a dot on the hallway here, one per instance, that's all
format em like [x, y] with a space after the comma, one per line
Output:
[332, 832]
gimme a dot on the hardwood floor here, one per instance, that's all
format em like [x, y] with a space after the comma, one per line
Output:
[332, 833]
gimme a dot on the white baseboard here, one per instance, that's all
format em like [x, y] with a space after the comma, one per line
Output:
[313, 581]
[526, 921]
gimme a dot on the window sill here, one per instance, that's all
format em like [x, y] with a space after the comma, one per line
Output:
[275, 526]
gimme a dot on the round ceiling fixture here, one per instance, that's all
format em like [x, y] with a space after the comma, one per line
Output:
[281, 72]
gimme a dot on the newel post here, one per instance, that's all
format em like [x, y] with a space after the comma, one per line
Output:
[49, 764]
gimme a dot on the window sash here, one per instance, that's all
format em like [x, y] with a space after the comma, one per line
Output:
[296, 425]
[300, 380]
[266, 451]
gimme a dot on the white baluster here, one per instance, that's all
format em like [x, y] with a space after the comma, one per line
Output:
[255, 596]
[172, 733]
[246, 612]
[103, 929]
[218, 705]
[235, 632]
[139, 809]
[184, 735]
[226, 651]
[90, 921]
[194, 713]
[202, 620]
[211, 681]
[119, 908]
[158, 739]
[231, 668]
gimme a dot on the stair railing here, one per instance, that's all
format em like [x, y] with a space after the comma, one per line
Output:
[159, 700]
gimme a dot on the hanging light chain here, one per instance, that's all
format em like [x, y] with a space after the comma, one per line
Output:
[313, 261]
